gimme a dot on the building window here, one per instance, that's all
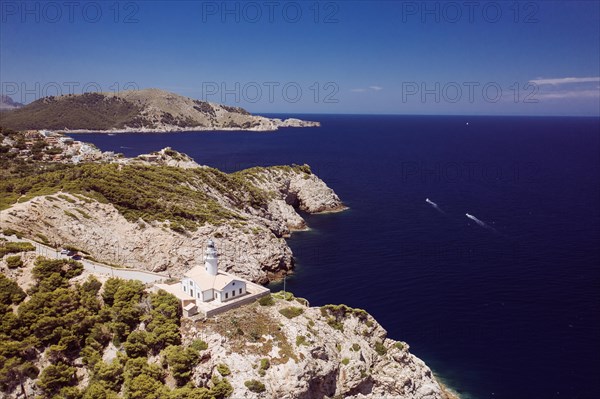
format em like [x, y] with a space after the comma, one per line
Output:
[240, 290]
[184, 288]
[233, 283]
[192, 293]
[226, 295]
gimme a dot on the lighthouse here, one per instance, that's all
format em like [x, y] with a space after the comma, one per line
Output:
[210, 260]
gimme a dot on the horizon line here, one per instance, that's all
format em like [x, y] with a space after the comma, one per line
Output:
[257, 113]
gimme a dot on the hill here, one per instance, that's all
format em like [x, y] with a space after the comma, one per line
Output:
[7, 103]
[149, 110]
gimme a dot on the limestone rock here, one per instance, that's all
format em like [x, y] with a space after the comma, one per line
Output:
[255, 250]
[309, 356]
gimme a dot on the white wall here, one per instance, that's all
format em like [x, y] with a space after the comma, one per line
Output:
[191, 289]
[208, 295]
[232, 287]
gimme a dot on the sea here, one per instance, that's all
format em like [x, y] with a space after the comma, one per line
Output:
[475, 239]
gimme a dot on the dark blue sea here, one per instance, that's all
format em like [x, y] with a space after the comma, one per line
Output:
[505, 305]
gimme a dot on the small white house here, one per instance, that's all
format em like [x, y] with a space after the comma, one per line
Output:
[207, 283]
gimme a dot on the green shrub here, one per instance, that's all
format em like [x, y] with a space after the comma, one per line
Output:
[136, 345]
[221, 388]
[10, 232]
[345, 361]
[266, 300]
[223, 369]
[97, 390]
[177, 227]
[355, 347]
[165, 319]
[399, 345]
[15, 247]
[145, 387]
[83, 213]
[10, 292]
[263, 366]
[291, 311]
[71, 214]
[338, 325]
[301, 340]
[66, 268]
[180, 362]
[341, 311]
[66, 198]
[55, 377]
[43, 238]
[199, 345]
[14, 262]
[110, 374]
[380, 348]
[255, 386]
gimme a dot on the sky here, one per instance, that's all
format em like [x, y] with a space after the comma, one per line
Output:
[368, 57]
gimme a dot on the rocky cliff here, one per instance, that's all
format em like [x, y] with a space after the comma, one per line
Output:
[251, 244]
[277, 348]
[326, 352]
[149, 110]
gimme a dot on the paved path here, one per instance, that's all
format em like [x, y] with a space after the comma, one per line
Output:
[93, 267]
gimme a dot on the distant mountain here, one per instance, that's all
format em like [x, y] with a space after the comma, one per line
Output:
[149, 110]
[8, 103]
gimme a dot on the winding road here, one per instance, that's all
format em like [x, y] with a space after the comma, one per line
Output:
[91, 266]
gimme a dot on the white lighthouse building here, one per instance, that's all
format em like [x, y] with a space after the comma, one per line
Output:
[210, 260]
[209, 291]
[208, 283]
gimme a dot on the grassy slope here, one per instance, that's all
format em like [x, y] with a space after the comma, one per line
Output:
[149, 192]
[87, 111]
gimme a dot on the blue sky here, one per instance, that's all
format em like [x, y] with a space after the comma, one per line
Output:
[398, 57]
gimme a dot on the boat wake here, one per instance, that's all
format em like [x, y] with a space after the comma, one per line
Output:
[481, 223]
[433, 204]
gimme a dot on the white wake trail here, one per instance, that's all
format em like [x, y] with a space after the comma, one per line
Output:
[480, 222]
[433, 204]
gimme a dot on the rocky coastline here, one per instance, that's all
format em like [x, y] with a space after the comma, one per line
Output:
[138, 111]
[254, 248]
[282, 348]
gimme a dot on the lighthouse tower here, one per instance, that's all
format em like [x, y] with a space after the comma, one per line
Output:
[210, 260]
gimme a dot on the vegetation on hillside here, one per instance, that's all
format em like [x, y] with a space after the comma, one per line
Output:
[9, 247]
[85, 111]
[139, 109]
[62, 322]
[147, 192]
[153, 193]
